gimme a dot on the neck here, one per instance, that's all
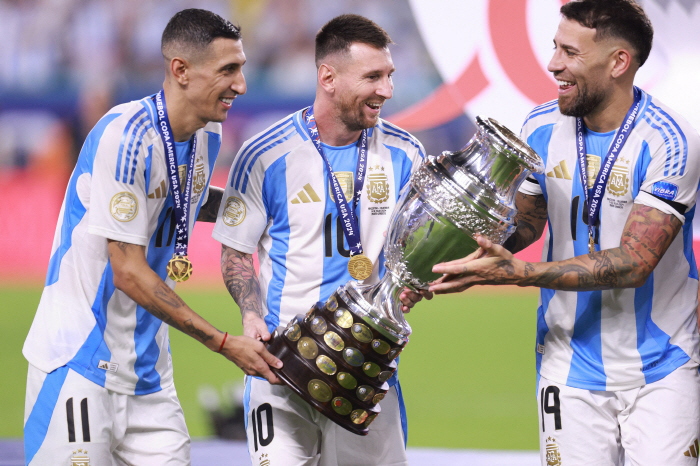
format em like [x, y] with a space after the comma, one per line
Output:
[609, 115]
[331, 129]
[182, 121]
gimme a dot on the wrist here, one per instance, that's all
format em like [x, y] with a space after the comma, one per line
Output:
[221, 345]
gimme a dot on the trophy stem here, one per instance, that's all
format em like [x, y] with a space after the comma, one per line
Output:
[379, 306]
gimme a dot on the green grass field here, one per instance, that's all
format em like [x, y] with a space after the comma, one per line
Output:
[468, 373]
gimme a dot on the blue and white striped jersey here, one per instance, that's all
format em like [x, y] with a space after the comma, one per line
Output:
[622, 338]
[278, 202]
[118, 190]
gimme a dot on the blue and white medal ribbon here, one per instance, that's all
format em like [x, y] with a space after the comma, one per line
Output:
[179, 268]
[594, 203]
[359, 266]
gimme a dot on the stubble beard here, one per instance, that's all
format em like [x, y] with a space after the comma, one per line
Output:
[351, 116]
[584, 103]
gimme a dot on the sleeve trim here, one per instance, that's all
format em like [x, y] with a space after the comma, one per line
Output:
[648, 200]
[245, 248]
[118, 235]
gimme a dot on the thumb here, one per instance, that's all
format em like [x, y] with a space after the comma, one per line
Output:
[270, 359]
[488, 245]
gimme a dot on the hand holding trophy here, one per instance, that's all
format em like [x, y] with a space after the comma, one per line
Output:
[339, 356]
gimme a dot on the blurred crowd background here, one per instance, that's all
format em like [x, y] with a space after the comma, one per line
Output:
[66, 62]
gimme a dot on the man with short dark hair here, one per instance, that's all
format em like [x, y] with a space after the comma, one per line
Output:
[278, 201]
[617, 340]
[100, 381]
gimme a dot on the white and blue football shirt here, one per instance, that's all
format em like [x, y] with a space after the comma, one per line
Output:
[278, 202]
[621, 338]
[119, 190]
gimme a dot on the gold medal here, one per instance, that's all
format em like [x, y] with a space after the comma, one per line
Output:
[179, 268]
[591, 244]
[360, 267]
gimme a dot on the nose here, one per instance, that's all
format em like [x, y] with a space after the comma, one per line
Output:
[239, 85]
[555, 65]
[386, 88]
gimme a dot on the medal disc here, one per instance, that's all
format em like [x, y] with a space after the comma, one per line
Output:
[179, 268]
[360, 267]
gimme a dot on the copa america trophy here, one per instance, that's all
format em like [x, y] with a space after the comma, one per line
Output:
[339, 356]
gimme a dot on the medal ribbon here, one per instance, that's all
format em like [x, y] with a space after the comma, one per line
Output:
[349, 220]
[594, 203]
[181, 201]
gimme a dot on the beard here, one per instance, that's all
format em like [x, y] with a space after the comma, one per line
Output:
[585, 102]
[351, 116]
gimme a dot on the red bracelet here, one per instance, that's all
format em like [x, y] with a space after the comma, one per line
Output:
[222, 343]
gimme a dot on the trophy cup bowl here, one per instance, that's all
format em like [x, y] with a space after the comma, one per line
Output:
[339, 356]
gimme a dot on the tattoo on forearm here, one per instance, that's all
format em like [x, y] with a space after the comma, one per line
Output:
[210, 210]
[241, 281]
[199, 334]
[647, 235]
[530, 221]
[168, 296]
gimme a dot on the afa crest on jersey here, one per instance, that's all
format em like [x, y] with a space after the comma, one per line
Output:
[377, 185]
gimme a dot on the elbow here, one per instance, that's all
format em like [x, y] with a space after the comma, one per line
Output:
[639, 276]
[124, 279]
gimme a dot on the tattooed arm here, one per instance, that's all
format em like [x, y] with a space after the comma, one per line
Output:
[138, 281]
[530, 221]
[242, 283]
[209, 210]
[647, 235]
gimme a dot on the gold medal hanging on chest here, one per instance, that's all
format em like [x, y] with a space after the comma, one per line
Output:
[360, 267]
[591, 244]
[179, 268]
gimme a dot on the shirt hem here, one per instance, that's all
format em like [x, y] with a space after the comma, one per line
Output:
[244, 248]
[649, 377]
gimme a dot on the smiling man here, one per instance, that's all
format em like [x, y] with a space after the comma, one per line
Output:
[617, 339]
[100, 382]
[286, 187]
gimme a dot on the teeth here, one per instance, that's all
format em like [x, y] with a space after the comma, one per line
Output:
[375, 106]
[564, 83]
[227, 100]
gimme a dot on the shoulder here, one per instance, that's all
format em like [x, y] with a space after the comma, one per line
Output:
[131, 118]
[388, 133]
[658, 124]
[266, 147]
[542, 115]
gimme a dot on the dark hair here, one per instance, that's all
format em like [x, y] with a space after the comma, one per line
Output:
[193, 30]
[338, 34]
[622, 19]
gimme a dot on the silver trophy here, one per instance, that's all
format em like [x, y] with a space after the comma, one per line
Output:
[339, 356]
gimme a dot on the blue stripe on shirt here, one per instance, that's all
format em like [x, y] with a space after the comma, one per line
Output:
[74, 210]
[276, 181]
[678, 131]
[242, 159]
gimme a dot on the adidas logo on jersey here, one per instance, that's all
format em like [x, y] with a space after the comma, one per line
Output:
[560, 171]
[306, 195]
[693, 450]
[160, 191]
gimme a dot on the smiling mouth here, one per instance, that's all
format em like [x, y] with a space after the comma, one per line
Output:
[564, 85]
[227, 100]
[375, 105]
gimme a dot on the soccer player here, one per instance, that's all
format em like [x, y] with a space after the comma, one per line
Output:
[100, 381]
[617, 339]
[278, 200]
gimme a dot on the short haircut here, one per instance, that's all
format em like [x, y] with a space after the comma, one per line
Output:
[621, 19]
[338, 34]
[191, 31]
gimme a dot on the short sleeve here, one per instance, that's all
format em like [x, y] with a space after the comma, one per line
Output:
[672, 177]
[530, 187]
[118, 208]
[242, 216]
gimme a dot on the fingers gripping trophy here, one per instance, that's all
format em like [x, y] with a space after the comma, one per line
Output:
[339, 356]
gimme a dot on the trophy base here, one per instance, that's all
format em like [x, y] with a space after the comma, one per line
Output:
[337, 362]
